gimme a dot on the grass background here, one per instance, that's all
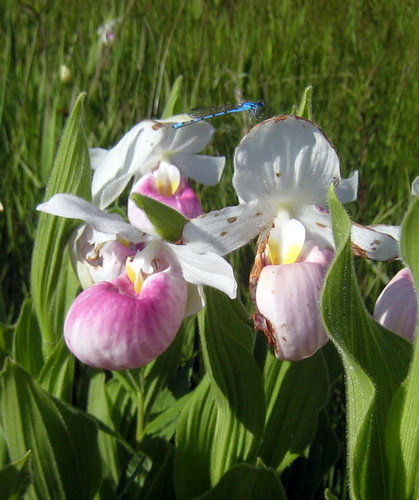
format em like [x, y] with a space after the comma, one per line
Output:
[361, 56]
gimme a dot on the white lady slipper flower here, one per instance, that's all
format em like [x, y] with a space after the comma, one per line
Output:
[282, 172]
[397, 306]
[130, 321]
[144, 148]
[166, 186]
[284, 165]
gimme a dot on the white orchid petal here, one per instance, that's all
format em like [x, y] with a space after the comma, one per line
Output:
[96, 157]
[73, 207]
[124, 161]
[206, 269]
[223, 231]
[373, 244]
[195, 300]
[347, 189]
[393, 231]
[189, 140]
[318, 225]
[286, 159]
[204, 169]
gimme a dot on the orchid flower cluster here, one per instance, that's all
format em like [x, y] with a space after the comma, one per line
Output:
[139, 286]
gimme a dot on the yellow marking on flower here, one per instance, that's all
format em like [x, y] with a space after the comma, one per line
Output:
[292, 253]
[167, 179]
[134, 275]
[286, 240]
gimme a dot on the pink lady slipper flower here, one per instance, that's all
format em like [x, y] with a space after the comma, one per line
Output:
[397, 306]
[128, 321]
[282, 172]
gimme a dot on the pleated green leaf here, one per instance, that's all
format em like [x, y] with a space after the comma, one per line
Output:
[320, 456]
[403, 431]
[295, 394]
[375, 361]
[15, 478]
[57, 373]
[194, 442]
[63, 441]
[247, 482]
[236, 382]
[109, 402]
[27, 340]
[53, 282]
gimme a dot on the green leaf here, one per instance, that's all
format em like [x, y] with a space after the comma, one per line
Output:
[109, 402]
[158, 482]
[57, 374]
[53, 282]
[6, 341]
[15, 478]
[27, 342]
[375, 361]
[165, 424]
[158, 373]
[194, 442]
[403, 431]
[169, 109]
[322, 454]
[295, 394]
[167, 222]
[247, 482]
[63, 440]
[305, 107]
[236, 381]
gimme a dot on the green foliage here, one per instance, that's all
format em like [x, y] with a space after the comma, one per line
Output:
[376, 362]
[62, 440]
[236, 422]
[53, 282]
[402, 434]
[15, 478]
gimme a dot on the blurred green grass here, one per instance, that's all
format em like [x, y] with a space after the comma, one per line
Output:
[360, 56]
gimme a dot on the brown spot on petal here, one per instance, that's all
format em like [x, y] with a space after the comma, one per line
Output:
[359, 252]
[258, 265]
[223, 233]
[321, 226]
[232, 219]
[157, 125]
